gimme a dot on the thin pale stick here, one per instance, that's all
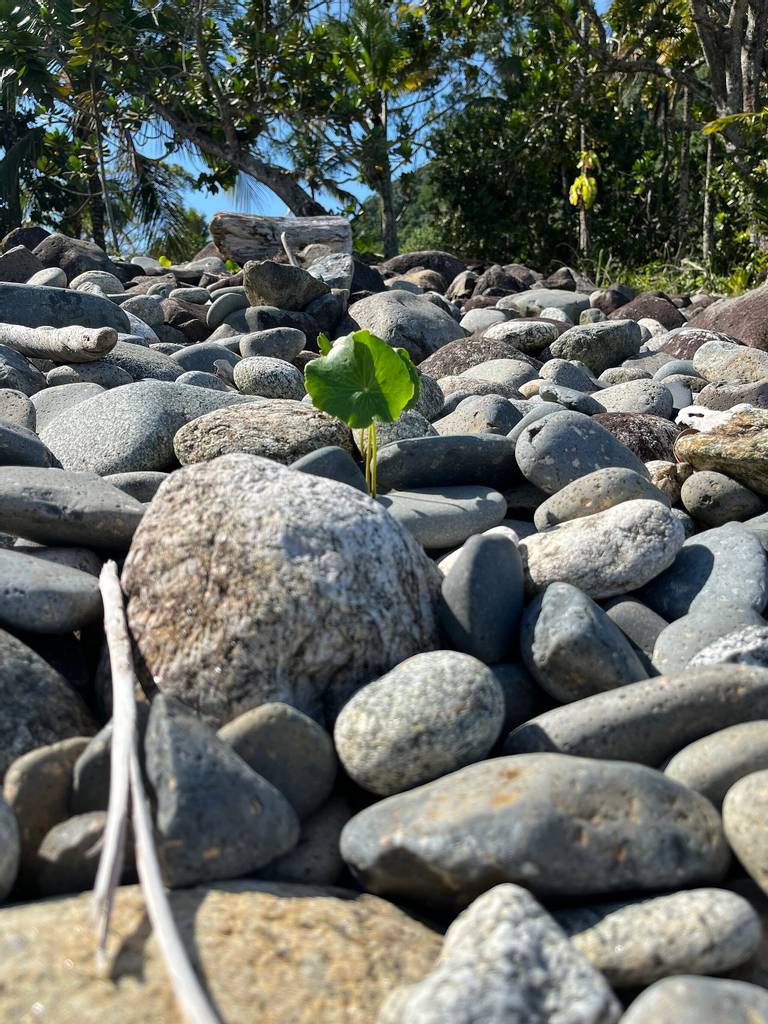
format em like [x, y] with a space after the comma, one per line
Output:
[288, 250]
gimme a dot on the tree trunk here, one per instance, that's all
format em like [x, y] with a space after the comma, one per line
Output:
[706, 232]
[684, 175]
[388, 218]
[96, 208]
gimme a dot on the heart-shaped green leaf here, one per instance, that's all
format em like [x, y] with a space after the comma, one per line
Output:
[414, 375]
[360, 380]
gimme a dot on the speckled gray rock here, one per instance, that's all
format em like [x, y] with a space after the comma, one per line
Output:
[148, 308]
[480, 414]
[279, 342]
[204, 356]
[10, 850]
[691, 1000]
[721, 396]
[610, 827]
[641, 396]
[595, 492]
[607, 553]
[571, 647]
[288, 749]
[52, 506]
[558, 449]
[714, 763]
[702, 931]
[509, 372]
[568, 398]
[680, 641]
[268, 283]
[623, 374]
[131, 428]
[274, 428]
[745, 820]
[315, 859]
[269, 377]
[43, 597]
[305, 569]
[17, 408]
[215, 818]
[105, 374]
[20, 446]
[731, 363]
[714, 498]
[408, 424]
[647, 721]
[746, 646]
[199, 379]
[453, 460]
[525, 335]
[599, 345]
[649, 437]
[482, 597]
[37, 705]
[723, 565]
[432, 714]
[505, 961]
[52, 401]
[532, 301]
[444, 517]
[453, 359]
[568, 374]
[404, 320]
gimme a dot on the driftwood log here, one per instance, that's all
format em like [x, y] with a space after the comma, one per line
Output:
[241, 236]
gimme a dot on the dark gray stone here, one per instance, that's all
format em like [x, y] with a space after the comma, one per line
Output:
[454, 460]
[32, 306]
[18, 373]
[68, 858]
[276, 284]
[482, 598]
[141, 486]
[716, 762]
[43, 597]
[562, 448]
[215, 818]
[571, 647]
[20, 446]
[444, 517]
[609, 827]
[333, 463]
[570, 399]
[681, 640]
[315, 859]
[10, 849]
[714, 499]
[288, 749]
[52, 506]
[637, 622]
[523, 698]
[432, 714]
[647, 721]
[595, 492]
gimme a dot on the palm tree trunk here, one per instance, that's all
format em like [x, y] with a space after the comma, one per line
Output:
[707, 219]
[684, 176]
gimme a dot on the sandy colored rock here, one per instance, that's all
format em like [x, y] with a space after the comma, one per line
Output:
[738, 448]
[277, 954]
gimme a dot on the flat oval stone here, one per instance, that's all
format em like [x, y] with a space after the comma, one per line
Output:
[637, 622]
[559, 449]
[647, 721]
[279, 342]
[447, 461]
[701, 931]
[721, 360]
[45, 598]
[20, 446]
[692, 1000]
[34, 306]
[269, 377]
[432, 714]
[648, 437]
[17, 408]
[571, 647]
[714, 499]
[568, 398]
[444, 517]
[716, 762]
[599, 345]
[639, 396]
[595, 492]
[609, 827]
[277, 429]
[607, 553]
[725, 565]
[745, 813]
[52, 506]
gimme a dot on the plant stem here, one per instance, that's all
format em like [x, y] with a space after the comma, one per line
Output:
[372, 449]
[364, 453]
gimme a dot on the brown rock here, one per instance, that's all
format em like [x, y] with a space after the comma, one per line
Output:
[722, 396]
[37, 787]
[649, 304]
[649, 437]
[745, 317]
[738, 448]
[267, 952]
[464, 353]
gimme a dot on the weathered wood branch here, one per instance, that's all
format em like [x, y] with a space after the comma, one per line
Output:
[241, 237]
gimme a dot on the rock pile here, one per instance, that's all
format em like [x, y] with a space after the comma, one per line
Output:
[521, 694]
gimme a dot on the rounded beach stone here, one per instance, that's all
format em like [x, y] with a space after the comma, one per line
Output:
[637, 622]
[702, 931]
[556, 450]
[315, 859]
[607, 553]
[610, 827]
[727, 361]
[281, 603]
[637, 396]
[714, 763]
[453, 460]
[571, 647]
[432, 714]
[444, 517]
[648, 721]
[37, 788]
[269, 377]
[680, 641]
[20, 446]
[68, 857]
[482, 597]
[17, 408]
[567, 397]
[648, 437]
[595, 492]
[747, 646]
[278, 342]
[479, 414]
[505, 961]
[333, 463]
[526, 335]
[745, 820]
[10, 849]
[714, 499]
[288, 749]
[200, 379]
[687, 999]
[277, 429]
[43, 597]
[599, 345]
[453, 359]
